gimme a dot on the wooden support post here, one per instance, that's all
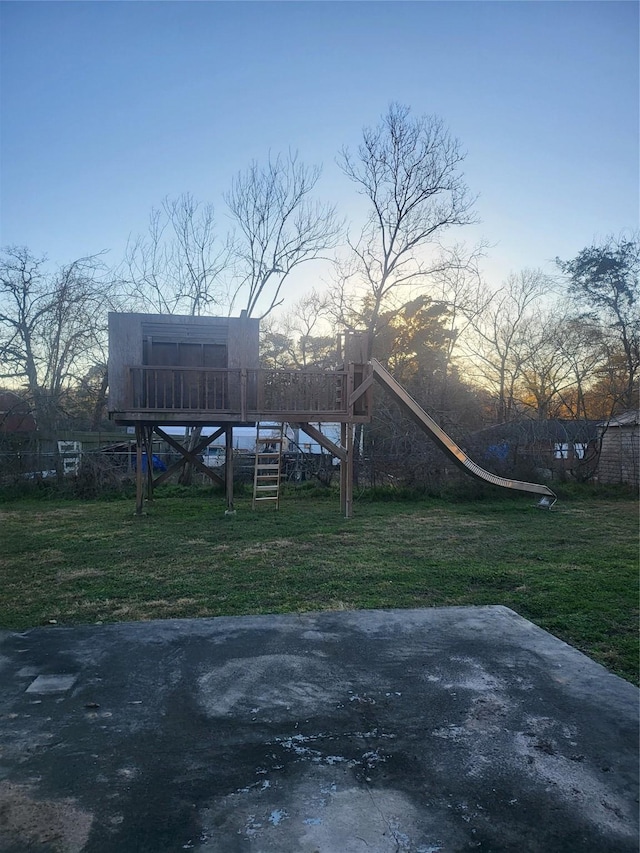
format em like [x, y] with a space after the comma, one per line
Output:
[350, 388]
[139, 484]
[148, 445]
[228, 466]
[343, 470]
[348, 481]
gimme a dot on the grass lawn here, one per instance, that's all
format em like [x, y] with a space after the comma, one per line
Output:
[572, 570]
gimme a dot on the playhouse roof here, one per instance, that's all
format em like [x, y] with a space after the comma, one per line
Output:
[530, 431]
[626, 419]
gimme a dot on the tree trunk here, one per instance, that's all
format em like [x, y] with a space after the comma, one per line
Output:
[186, 476]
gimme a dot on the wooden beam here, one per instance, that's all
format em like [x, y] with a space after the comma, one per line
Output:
[172, 469]
[166, 475]
[216, 434]
[148, 446]
[132, 417]
[360, 390]
[191, 457]
[343, 471]
[322, 440]
[139, 486]
[204, 442]
[228, 466]
[348, 497]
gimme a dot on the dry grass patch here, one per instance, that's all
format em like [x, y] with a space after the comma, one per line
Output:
[272, 546]
[49, 557]
[69, 575]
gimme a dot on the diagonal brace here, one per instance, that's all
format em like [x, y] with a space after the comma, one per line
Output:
[189, 456]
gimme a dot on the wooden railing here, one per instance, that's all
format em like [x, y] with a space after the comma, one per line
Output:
[184, 389]
[238, 392]
[301, 391]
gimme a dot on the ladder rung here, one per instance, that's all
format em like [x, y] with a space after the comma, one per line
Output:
[268, 462]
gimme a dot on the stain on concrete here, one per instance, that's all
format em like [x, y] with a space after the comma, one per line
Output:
[325, 812]
[279, 686]
[27, 822]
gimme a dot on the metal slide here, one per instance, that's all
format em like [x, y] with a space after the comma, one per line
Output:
[447, 444]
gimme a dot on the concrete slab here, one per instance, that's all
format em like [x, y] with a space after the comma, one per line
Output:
[404, 731]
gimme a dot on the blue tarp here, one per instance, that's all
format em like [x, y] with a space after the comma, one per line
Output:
[156, 462]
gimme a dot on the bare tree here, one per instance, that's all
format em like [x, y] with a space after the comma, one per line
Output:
[547, 372]
[580, 346]
[496, 347]
[409, 170]
[276, 346]
[302, 337]
[51, 324]
[179, 265]
[280, 228]
[458, 287]
[308, 325]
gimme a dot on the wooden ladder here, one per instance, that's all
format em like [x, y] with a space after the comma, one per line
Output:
[266, 477]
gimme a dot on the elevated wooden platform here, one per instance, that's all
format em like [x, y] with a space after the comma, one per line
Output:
[193, 396]
[156, 396]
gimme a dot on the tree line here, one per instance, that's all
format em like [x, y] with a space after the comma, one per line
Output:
[472, 352]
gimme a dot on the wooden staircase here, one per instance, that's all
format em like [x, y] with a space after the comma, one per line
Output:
[267, 472]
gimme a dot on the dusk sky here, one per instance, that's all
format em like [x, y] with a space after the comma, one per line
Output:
[108, 107]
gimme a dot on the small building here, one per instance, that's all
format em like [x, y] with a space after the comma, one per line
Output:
[620, 450]
[18, 436]
[178, 368]
[15, 414]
